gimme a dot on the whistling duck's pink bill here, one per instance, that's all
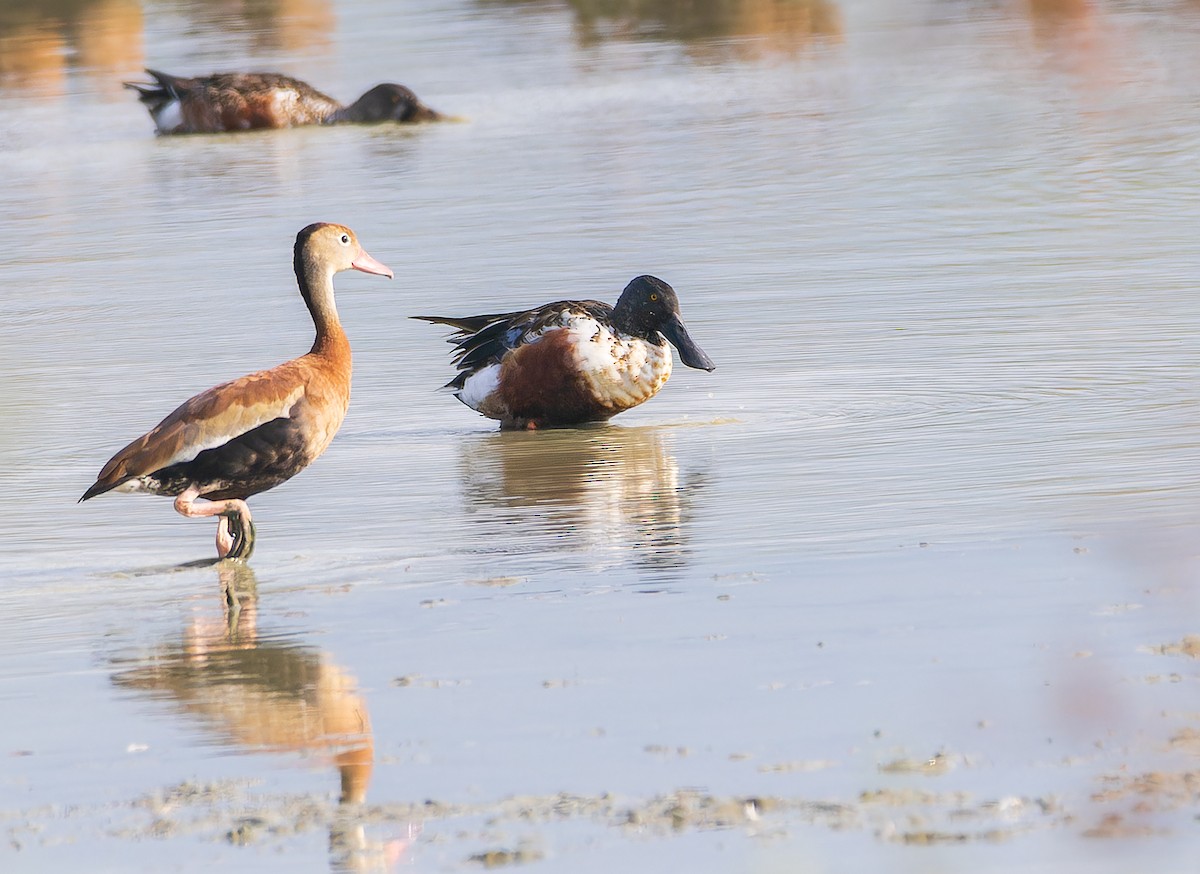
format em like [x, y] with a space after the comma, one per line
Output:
[367, 264]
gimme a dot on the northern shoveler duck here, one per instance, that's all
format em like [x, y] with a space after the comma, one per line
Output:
[248, 101]
[251, 434]
[573, 361]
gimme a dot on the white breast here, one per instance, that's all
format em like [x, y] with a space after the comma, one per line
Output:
[621, 371]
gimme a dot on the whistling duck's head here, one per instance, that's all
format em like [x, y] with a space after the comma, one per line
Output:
[336, 248]
[390, 102]
[649, 305]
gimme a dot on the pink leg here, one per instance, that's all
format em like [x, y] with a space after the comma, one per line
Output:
[224, 538]
[234, 507]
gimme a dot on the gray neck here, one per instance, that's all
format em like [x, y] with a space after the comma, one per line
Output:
[316, 286]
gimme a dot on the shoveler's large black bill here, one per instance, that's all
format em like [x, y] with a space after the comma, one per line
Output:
[689, 353]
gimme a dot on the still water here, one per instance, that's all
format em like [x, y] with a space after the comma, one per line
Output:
[908, 583]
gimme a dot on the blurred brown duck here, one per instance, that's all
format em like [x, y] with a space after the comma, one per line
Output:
[251, 434]
[248, 101]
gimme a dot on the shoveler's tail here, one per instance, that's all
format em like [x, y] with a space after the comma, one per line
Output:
[465, 324]
[480, 340]
[162, 91]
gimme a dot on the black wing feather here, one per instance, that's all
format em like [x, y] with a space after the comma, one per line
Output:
[164, 89]
[480, 341]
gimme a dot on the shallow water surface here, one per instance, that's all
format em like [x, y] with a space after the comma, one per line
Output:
[907, 583]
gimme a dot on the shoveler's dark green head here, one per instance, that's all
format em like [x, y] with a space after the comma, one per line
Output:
[389, 102]
[647, 307]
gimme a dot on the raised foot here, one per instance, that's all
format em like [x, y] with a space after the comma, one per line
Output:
[235, 530]
[242, 534]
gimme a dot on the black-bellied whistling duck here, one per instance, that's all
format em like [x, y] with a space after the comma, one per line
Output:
[251, 434]
[573, 361]
[248, 101]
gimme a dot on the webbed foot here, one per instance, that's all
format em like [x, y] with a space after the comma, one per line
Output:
[242, 533]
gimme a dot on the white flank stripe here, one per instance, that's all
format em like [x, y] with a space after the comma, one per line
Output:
[169, 117]
[479, 385]
[133, 487]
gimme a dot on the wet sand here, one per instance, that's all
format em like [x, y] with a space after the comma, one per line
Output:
[495, 723]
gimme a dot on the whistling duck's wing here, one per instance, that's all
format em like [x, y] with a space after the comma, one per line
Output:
[206, 421]
[481, 341]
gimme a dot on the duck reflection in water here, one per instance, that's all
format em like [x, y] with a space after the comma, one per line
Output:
[778, 25]
[267, 693]
[605, 490]
[40, 43]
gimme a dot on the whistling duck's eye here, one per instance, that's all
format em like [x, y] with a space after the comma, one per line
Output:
[345, 239]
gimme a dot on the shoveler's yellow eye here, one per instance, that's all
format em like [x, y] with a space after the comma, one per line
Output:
[654, 297]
